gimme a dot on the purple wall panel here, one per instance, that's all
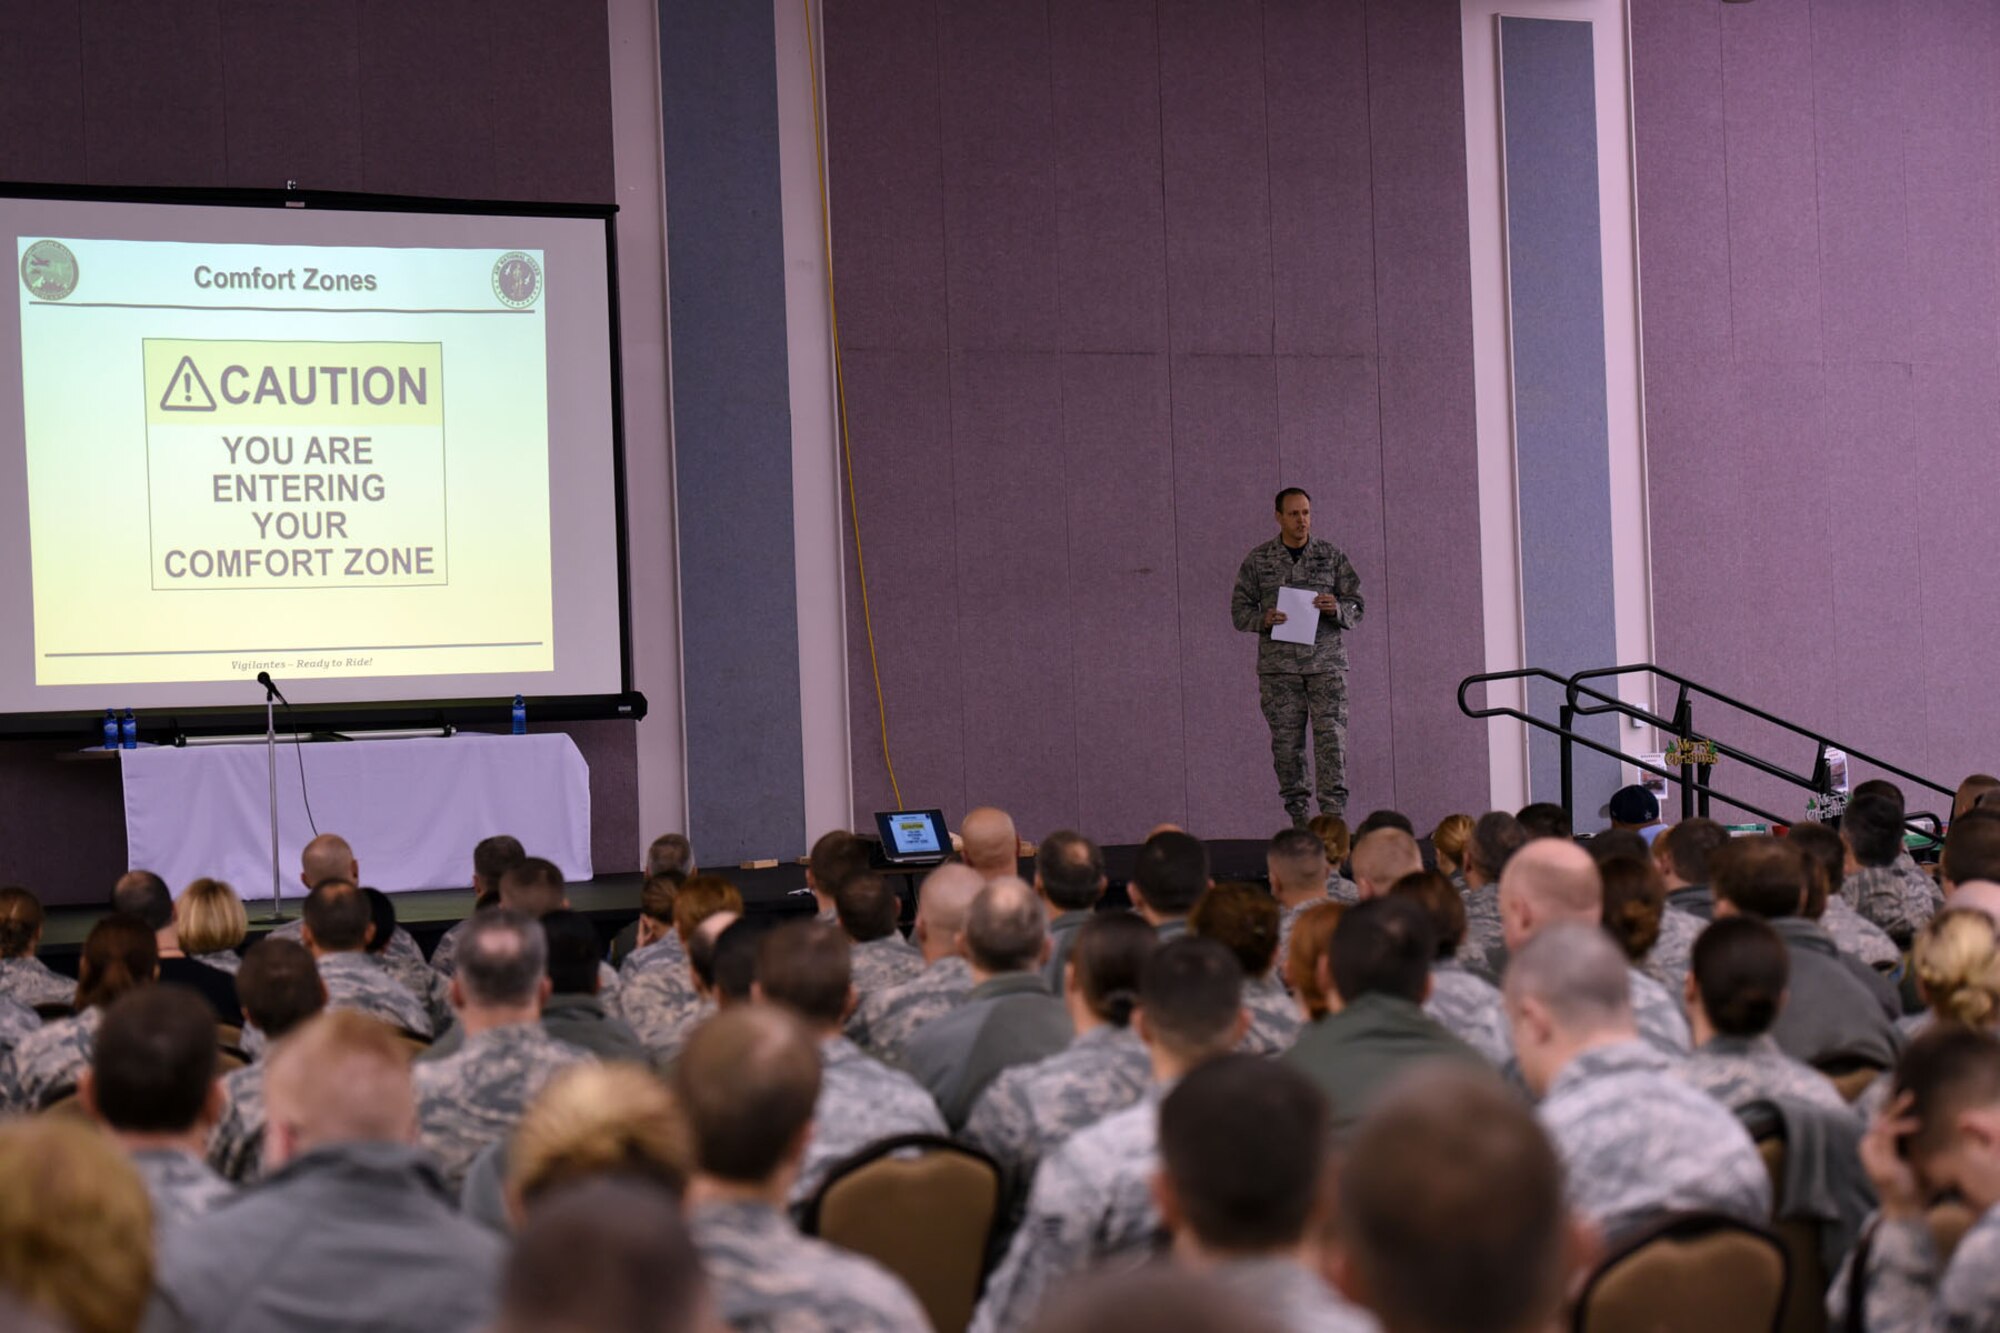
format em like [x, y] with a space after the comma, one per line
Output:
[1948, 156]
[154, 65]
[1110, 215]
[548, 143]
[293, 119]
[1316, 68]
[1955, 410]
[41, 99]
[1864, 267]
[426, 122]
[1694, 478]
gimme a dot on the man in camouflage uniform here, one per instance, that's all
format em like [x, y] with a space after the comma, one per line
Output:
[474, 1098]
[755, 1065]
[1877, 886]
[866, 908]
[47, 1062]
[1635, 1141]
[16, 1022]
[662, 1005]
[1295, 861]
[886, 1019]
[280, 987]
[23, 977]
[329, 856]
[337, 930]
[1297, 682]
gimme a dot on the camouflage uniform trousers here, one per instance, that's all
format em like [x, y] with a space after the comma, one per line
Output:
[1289, 703]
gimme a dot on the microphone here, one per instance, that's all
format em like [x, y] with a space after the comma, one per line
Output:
[264, 679]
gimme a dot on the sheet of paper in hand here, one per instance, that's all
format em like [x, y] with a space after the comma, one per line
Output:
[1301, 616]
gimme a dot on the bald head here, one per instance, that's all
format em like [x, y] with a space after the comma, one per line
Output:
[1006, 928]
[339, 1078]
[1981, 895]
[941, 906]
[1549, 880]
[1381, 857]
[991, 846]
[327, 857]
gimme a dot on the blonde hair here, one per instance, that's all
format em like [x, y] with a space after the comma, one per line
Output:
[1332, 830]
[1449, 839]
[1957, 960]
[209, 918]
[76, 1225]
[1311, 934]
[597, 1120]
[341, 1077]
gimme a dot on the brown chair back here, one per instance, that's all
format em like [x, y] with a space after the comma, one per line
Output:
[924, 1208]
[1851, 1083]
[1807, 1278]
[1699, 1271]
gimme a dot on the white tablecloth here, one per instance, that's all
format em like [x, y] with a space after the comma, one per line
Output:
[413, 809]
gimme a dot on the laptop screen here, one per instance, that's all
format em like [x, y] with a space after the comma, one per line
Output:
[913, 833]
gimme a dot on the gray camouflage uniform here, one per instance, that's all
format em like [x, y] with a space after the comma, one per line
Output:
[1636, 1142]
[180, 1185]
[1855, 935]
[1469, 1008]
[768, 1278]
[1659, 1015]
[890, 961]
[16, 1022]
[1485, 938]
[31, 981]
[48, 1060]
[357, 982]
[1031, 1110]
[662, 1007]
[468, 1100]
[861, 1101]
[1092, 1201]
[1288, 917]
[444, 957]
[222, 960]
[236, 1144]
[432, 991]
[1889, 898]
[1293, 1297]
[1275, 1019]
[1673, 953]
[1923, 885]
[1737, 1071]
[667, 951]
[1297, 681]
[1341, 889]
[1909, 1291]
[886, 1020]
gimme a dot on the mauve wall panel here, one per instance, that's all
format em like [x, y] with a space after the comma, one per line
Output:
[156, 65]
[426, 128]
[1864, 266]
[1948, 52]
[547, 142]
[1955, 412]
[41, 99]
[292, 119]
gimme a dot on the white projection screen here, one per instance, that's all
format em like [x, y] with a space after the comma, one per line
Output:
[370, 446]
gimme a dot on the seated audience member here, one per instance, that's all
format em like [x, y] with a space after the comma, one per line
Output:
[1636, 809]
[1092, 1198]
[803, 967]
[1956, 960]
[16, 1022]
[211, 924]
[1168, 879]
[573, 1012]
[1030, 1110]
[338, 926]
[329, 857]
[1495, 839]
[1875, 886]
[1852, 933]
[867, 909]
[1681, 854]
[989, 844]
[280, 988]
[1734, 994]
[1375, 819]
[1550, 882]
[152, 1083]
[491, 859]
[1295, 862]
[1448, 843]
[1657, 938]
[1939, 1137]
[669, 861]
[703, 950]
[1452, 1217]
[662, 1003]
[1972, 792]
[1381, 858]
[352, 1227]
[25, 978]
[119, 955]
[1545, 819]
[596, 1120]
[472, 1097]
[417, 976]
[1242, 1215]
[1069, 874]
[605, 1255]
[1636, 1142]
[654, 942]
[142, 894]
[1462, 1003]
[1971, 848]
[1243, 919]
[1924, 888]
[1338, 843]
[747, 1083]
[1840, 1009]
[887, 1019]
[1379, 963]
[834, 857]
[1008, 1018]
[76, 1230]
[1311, 990]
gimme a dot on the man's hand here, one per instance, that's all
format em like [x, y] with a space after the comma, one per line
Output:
[1327, 602]
[1273, 618]
[1896, 1184]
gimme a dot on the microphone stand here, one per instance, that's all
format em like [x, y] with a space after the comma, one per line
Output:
[271, 764]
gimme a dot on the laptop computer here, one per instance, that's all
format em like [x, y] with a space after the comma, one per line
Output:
[913, 837]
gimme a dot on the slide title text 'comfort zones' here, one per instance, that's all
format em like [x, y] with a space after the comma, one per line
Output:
[259, 279]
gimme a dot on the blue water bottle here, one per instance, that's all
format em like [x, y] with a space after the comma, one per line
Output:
[520, 716]
[110, 728]
[128, 731]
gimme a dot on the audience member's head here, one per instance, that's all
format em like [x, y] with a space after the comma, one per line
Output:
[735, 962]
[656, 906]
[492, 858]
[279, 986]
[1618, 842]
[701, 950]
[76, 1226]
[609, 1254]
[1957, 964]
[143, 894]
[1972, 792]
[1451, 1177]
[574, 952]
[1683, 851]
[337, 918]
[534, 886]
[1495, 839]
[1872, 827]
[1191, 1002]
[942, 900]
[701, 898]
[1333, 835]
[1006, 929]
[1737, 977]
[1257, 1195]
[1635, 900]
[670, 854]
[1568, 990]
[1882, 787]
[1169, 877]
[1296, 862]
[1759, 876]
[1382, 947]
[502, 966]
[327, 857]
[152, 1067]
[1549, 880]
[120, 954]
[340, 1078]
[1951, 1075]
[1449, 840]
[209, 918]
[1972, 846]
[593, 1120]
[1381, 857]
[1069, 871]
[1826, 858]
[806, 967]
[867, 907]
[1442, 905]
[834, 856]
[21, 919]
[1375, 819]
[1305, 958]
[1979, 895]
[381, 920]
[1243, 919]
[989, 843]
[747, 1081]
[1633, 807]
[1105, 964]
[1545, 819]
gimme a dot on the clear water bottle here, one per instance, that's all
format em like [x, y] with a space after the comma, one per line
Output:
[520, 716]
[110, 728]
[128, 731]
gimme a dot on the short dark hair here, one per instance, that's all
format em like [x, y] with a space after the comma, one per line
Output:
[154, 1059]
[1545, 819]
[1880, 787]
[1432, 890]
[1495, 839]
[1243, 1140]
[1741, 969]
[1385, 946]
[1191, 992]
[807, 967]
[21, 919]
[1690, 844]
[1872, 824]
[1109, 956]
[834, 857]
[604, 1252]
[382, 915]
[733, 964]
[535, 886]
[1171, 872]
[1972, 846]
[1826, 857]
[336, 912]
[670, 854]
[1635, 902]
[1071, 869]
[143, 894]
[1005, 928]
[1375, 819]
[574, 953]
[495, 856]
[1298, 845]
[1243, 919]
[278, 986]
[1760, 876]
[502, 957]
[1947, 1069]
[748, 1080]
[1611, 842]
[867, 907]
[1279, 503]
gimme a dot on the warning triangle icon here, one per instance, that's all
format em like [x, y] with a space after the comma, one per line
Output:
[186, 391]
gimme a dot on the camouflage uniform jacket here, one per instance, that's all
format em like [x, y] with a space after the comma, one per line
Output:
[1905, 1291]
[1031, 1110]
[236, 1144]
[1636, 1142]
[889, 961]
[1469, 1008]
[180, 1185]
[1275, 1019]
[1737, 1071]
[16, 1022]
[1288, 918]
[1062, 938]
[1659, 1015]
[1673, 953]
[1923, 885]
[1884, 895]
[31, 981]
[444, 957]
[1340, 889]
[1484, 935]
[861, 1101]
[1322, 569]
[222, 960]
[768, 1278]
[468, 1100]
[432, 991]
[887, 1019]
[359, 983]
[1294, 1298]
[667, 951]
[1092, 1201]
[662, 1007]
[48, 1060]
[1857, 936]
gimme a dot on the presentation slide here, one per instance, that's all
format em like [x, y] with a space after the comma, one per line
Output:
[371, 453]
